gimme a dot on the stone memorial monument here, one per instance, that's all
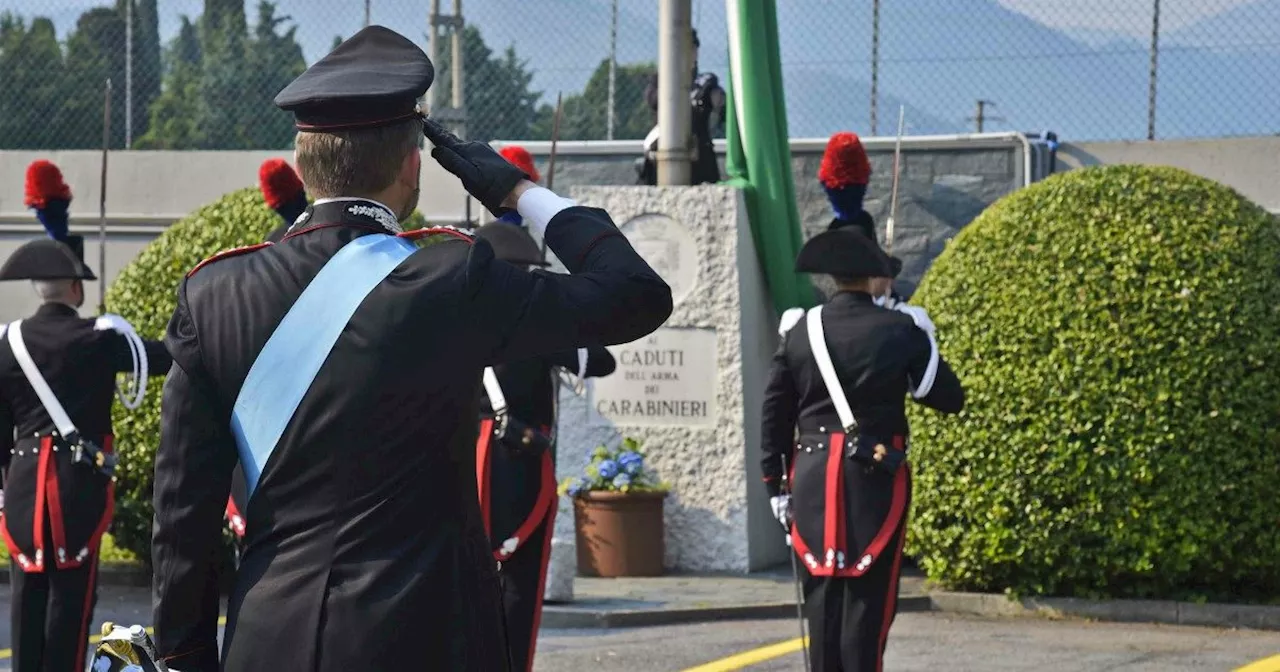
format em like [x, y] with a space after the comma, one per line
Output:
[690, 392]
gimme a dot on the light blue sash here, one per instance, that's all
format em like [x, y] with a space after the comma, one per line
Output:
[289, 362]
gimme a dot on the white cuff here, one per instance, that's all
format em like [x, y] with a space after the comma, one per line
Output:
[538, 205]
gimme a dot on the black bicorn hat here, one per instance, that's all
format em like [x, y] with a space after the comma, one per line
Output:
[373, 79]
[512, 243]
[46, 259]
[863, 222]
[844, 251]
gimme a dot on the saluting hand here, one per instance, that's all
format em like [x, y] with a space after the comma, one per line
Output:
[491, 179]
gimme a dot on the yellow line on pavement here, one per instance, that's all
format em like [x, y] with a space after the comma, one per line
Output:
[1271, 664]
[8, 653]
[752, 657]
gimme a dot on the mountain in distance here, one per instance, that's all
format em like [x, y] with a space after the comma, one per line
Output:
[939, 56]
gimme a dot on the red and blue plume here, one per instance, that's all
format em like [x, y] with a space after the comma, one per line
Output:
[844, 173]
[521, 158]
[49, 196]
[282, 189]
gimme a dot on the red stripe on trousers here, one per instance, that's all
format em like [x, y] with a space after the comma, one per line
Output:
[482, 469]
[891, 599]
[542, 582]
[88, 611]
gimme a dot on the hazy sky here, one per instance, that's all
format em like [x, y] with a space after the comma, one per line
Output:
[1132, 17]
[1125, 16]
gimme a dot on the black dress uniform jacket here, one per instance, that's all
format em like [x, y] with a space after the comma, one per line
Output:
[365, 547]
[849, 514]
[56, 510]
[518, 498]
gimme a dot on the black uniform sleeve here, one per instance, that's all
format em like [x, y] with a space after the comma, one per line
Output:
[600, 361]
[946, 395]
[193, 471]
[6, 437]
[611, 295]
[778, 421]
[158, 359]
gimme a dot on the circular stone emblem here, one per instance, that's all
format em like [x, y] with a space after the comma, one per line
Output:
[668, 247]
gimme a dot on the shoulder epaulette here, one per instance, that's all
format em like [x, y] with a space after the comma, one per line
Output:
[789, 320]
[235, 252]
[437, 230]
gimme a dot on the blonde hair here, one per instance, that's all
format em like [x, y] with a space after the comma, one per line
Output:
[357, 162]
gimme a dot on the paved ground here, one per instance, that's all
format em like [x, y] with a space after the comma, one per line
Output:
[926, 642]
[920, 641]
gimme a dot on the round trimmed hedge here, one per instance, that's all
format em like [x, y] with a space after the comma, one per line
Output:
[145, 294]
[1117, 330]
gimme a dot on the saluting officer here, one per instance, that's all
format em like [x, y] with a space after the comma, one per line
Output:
[57, 381]
[342, 366]
[515, 458]
[840, 378]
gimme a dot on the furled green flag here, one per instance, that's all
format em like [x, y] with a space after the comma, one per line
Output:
[759, 156]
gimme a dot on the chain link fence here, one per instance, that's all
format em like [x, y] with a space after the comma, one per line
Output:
[201, 74]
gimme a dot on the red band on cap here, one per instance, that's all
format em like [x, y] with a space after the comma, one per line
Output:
[354, 125]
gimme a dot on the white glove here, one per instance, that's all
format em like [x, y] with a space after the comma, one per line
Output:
[781, 506]
[918, 315]
[113, 322]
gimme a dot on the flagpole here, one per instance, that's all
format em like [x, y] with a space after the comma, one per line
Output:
[102, 201]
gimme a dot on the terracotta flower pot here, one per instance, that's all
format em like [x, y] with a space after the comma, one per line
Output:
[619, 534]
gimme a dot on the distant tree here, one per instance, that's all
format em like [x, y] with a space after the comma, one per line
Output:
[32, 76]
[224, 107]
[221, 80]
[274, 60]
[175, 114]
[148, 70]
[585, 115]
[496, 93]
[94, 54]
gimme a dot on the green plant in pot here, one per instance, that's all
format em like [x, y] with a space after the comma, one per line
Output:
[617, 510]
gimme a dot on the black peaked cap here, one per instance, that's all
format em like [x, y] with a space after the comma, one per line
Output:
[373, 79]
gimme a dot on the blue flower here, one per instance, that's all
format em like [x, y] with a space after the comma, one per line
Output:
[621, 481]
[608, 469]
[631, 463]
[576, 487]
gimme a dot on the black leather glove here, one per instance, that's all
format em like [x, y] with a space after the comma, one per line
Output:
[484, 173]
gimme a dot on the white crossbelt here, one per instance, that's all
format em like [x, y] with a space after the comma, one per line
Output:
[47, 398]
[818, 344]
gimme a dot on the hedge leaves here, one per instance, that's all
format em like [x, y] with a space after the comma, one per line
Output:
[1117, 330]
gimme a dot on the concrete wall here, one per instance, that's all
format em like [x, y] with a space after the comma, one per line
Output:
[1249, 165]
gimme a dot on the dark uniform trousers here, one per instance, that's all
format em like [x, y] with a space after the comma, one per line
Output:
[849, 618]
[518, 499]
[50, 613]
[849, 508]
[56, 509]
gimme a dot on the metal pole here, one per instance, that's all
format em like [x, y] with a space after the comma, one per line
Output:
[128, 74]
[102, 202]
[795, 573]
[613, 69]
[875, 61]
[675, 47]
[1155, 57]
[433, 52]
[458, 70]
[368, 11]
[981, 110]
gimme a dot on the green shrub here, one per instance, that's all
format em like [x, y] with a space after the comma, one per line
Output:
[1118, 334]
[144, 294]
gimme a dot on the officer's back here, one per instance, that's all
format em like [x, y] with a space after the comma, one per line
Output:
[364, 546]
